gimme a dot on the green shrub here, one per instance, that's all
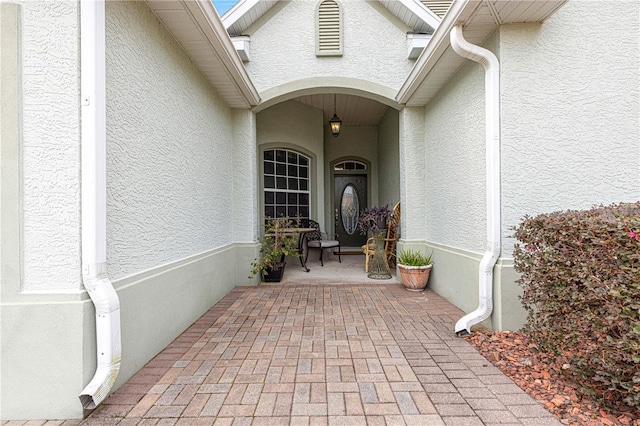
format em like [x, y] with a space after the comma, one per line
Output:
[580, 271]
[413, 258]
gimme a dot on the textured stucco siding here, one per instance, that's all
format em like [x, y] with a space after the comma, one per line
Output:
[296, 126]
[570, 110]
[49, 33]
[41, 334]
[283, 49]
[389, 159]
[169, 148]
[245, 177]
[455, 212]
[413, 177]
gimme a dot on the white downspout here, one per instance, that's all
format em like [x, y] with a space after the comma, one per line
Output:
[94, 208]
[492, 153]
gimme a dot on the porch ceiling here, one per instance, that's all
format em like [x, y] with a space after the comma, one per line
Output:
[197, 28]
[352, 110]
[439, 62]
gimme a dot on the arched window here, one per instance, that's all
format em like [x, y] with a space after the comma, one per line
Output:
[350, 165]
[286, 184]
[329, 29]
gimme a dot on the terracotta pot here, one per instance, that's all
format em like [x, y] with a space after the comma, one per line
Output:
[414, 278]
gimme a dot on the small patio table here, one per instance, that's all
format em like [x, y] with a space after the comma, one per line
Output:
[302, 239]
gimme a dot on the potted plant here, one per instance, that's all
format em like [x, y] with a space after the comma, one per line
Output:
[278, 242]
[374, 220]
[414, 267]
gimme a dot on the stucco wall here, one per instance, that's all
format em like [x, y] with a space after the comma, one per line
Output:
[389, 159]
[454, 162]
[570, 122]
[42, 313]
[296, 126]
[169, 148]
[171, 251]
[570, 110]
[49, 33]
[245, 177]
[283, 48]
[413, 173]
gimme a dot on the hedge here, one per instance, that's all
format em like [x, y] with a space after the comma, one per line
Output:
[580, 271]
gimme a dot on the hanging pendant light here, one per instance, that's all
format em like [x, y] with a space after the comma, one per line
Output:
[335, 123]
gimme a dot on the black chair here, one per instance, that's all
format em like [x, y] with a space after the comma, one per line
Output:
[315, 240]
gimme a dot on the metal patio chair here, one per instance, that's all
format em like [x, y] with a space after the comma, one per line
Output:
[317, 239]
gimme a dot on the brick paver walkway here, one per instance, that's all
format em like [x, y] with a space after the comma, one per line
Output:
[322, 355]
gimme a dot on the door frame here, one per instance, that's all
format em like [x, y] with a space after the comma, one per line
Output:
[334, 173]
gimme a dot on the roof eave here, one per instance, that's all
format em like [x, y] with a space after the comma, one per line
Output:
[435, 49]
[240, 9]
[422, 12]
[438, 50]
[205, 29]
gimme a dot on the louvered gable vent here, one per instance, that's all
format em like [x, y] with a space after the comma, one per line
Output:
[439, 7]
[329, 29]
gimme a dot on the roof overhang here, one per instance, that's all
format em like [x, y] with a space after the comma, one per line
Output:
[246, 12]
[480, 18]
[414, 14]
[196, 26]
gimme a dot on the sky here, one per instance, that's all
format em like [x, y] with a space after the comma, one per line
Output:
[223, 5]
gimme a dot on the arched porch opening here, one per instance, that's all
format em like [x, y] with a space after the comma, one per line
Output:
[298, 120]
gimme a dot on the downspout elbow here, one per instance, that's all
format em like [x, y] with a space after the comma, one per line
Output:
[485, 299]
[471, 51]
[107, 307]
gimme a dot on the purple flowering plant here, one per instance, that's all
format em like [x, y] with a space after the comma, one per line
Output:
[373, 220]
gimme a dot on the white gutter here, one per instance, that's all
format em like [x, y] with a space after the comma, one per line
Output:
[94, 195]
[492, 153]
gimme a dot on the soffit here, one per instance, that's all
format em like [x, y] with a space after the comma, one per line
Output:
[421, 17]
[414, 15]
[197, 28]
[438, 62]
[244, 14]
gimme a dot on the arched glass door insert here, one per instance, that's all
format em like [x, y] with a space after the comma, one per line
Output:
[350, 165]
[350, 209]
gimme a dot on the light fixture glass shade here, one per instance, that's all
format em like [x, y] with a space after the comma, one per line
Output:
[335, 124]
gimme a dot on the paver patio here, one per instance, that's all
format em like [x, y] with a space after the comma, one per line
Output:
[361, 354]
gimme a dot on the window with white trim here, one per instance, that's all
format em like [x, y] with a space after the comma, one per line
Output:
[329, 42]
[286, 183]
